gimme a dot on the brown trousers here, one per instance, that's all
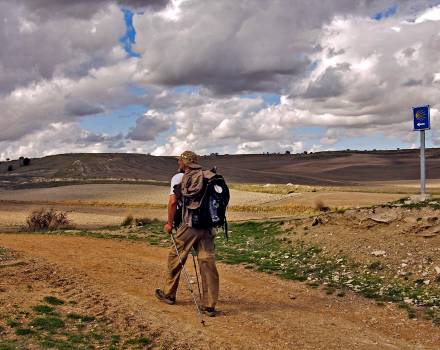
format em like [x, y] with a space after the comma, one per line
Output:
[203, 242]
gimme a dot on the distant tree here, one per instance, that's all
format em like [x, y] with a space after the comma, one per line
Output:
[287, 152]
[10, 168]
[305, 152]
[26, 161]
[21, 158]
[7, 159]
[398, 148]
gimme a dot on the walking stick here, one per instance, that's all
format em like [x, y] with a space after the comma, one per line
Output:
[188, 283]
[197, 275]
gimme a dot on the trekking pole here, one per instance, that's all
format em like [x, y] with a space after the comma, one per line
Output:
[188, 283]
[197, 275]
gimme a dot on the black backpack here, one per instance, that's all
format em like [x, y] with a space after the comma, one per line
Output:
[213, 201]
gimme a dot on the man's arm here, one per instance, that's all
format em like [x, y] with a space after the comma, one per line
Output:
[172, 208]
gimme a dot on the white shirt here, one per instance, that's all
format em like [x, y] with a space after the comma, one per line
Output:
[176, 180]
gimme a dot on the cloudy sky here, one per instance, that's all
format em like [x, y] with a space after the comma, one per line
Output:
[162, 76]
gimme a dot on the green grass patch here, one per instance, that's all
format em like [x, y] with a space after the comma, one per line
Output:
[45, 327]
[82, 318]
[114, 342]
[12, 323]
[53, 300]
[139, 341]
[430, 203]
[50, 323]
[50, 342]
[43, 309]
[24, 331]
[9, 345]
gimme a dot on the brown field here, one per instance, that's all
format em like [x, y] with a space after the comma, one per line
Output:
[97, 205]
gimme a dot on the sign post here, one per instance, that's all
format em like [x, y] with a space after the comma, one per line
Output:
[422, 122]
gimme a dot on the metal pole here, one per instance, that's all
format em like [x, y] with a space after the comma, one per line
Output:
[197, 275]
[422, 165]
[188, 283]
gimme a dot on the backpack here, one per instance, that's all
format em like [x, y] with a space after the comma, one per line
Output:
[208, 202]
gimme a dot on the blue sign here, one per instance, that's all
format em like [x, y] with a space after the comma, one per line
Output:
[421, 118]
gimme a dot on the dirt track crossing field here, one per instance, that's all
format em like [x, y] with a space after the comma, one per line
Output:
[258, 311]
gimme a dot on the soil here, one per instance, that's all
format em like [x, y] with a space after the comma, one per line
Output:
[116, 280]
[409, 238]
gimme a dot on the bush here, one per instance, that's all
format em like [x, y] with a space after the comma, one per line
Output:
[319, 205]
[127, 221]
[47, 220]
[26, 161]
[130, 220]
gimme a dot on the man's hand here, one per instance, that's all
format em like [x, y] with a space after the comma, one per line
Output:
[168, 228]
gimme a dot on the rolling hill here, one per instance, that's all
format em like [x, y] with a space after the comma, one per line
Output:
[323, 168]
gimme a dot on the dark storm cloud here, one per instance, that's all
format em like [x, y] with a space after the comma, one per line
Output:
[328, 84]
[413, 82]
[84, 8]
[231, 46]
[82, 108]
[148, 127]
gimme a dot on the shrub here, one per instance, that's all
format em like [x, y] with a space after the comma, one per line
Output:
[53, 300]
[127, 221]
[130, 220]
[26, 161]
[47, 220]
[319, 205]
[143, 221]
[48, 323]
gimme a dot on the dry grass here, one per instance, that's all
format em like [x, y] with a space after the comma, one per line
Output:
[129, 220]
[273, 188]
[285, 209]
[46, 220]
[374, 187]
[320, 206]
[80, 203]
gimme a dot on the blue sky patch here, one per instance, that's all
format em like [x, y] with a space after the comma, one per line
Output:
[129, 38]
[269, 99]
[390, 11]
[116, 122]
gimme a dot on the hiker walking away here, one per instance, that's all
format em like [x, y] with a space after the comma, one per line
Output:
[186, 189]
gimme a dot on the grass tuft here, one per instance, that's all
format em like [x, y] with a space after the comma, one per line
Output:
[50, 323]
[43, 309]
[82, 318]
[53, 300]
[24, 331]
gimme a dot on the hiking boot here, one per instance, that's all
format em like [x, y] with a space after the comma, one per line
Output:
[209, 311]
[162, 297]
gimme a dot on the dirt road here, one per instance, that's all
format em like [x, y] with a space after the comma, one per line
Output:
[257, 311]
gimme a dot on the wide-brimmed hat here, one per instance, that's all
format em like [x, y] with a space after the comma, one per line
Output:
[189, 157]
